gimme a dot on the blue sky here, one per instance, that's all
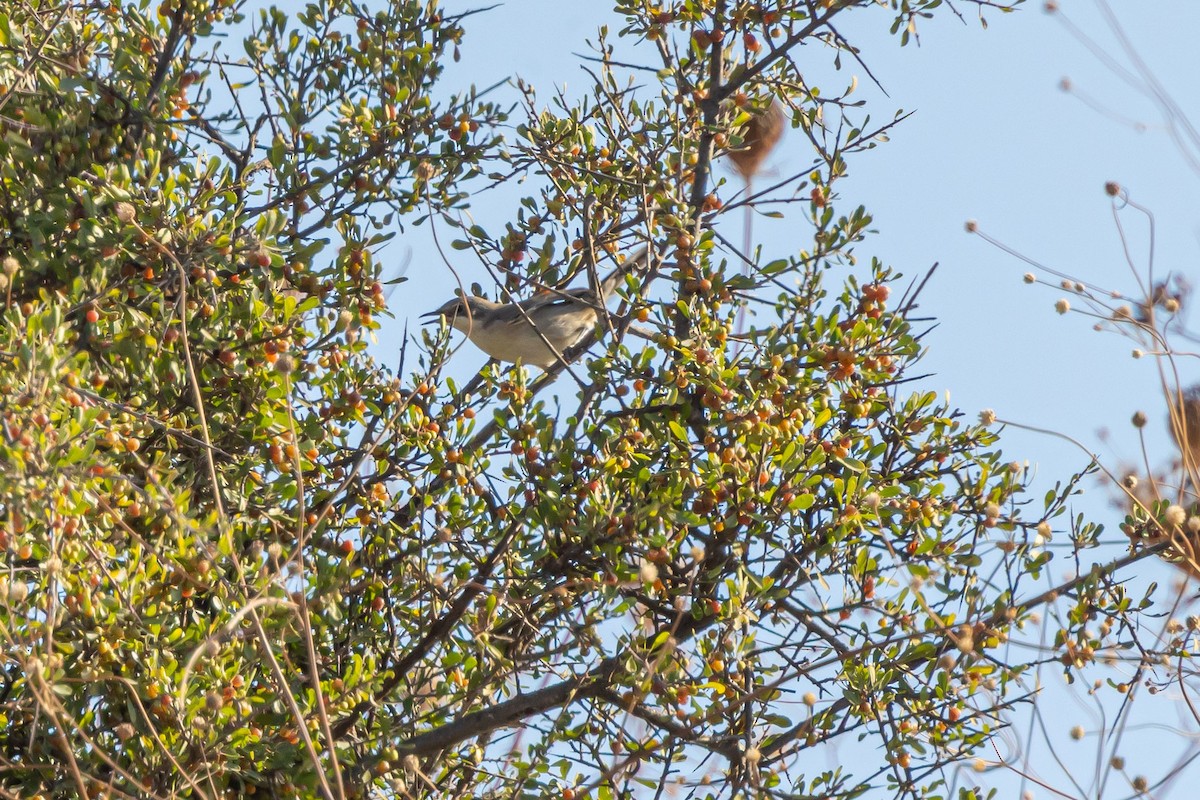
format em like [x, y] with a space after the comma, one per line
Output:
[994, 139]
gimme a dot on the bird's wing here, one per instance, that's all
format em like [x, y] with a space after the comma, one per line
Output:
[512, 313]
[550, 299]
[516, 313]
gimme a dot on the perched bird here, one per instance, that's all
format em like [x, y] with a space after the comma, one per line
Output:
[539, 330]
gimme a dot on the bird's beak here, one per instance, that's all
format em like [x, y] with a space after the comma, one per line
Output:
[432, 316]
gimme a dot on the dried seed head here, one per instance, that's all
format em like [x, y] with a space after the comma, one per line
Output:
[1062, 306]
[971, 226]
[1112, 188]
[125, 212]
[426, 170]
[285, 364]
[1138, 419]
[17, 592]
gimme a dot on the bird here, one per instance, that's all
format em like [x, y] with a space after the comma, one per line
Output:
[539, 330]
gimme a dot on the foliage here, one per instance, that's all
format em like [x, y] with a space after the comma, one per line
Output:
[243, 556]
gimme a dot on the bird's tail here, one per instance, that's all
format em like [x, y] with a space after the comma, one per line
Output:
[638, 262]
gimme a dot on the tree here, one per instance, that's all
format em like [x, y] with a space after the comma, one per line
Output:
[244, 557]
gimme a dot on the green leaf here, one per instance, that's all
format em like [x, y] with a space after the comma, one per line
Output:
[852, 464]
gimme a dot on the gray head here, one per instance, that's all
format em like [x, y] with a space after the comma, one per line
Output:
[460, 312]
